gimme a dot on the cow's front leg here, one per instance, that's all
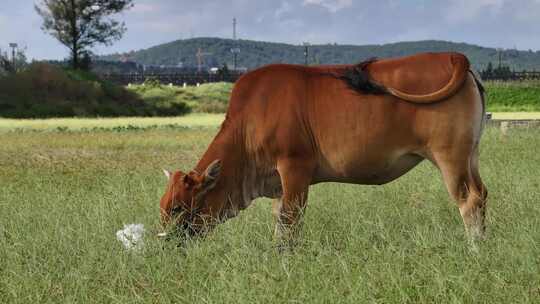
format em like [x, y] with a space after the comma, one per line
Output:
[296, 176]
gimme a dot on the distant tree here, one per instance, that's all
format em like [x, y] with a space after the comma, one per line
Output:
[502, 72]
[488, 72]
[489, 68]
[86, 61]
[81, 24]
[223, 72]
[21, 61]
[7, 63]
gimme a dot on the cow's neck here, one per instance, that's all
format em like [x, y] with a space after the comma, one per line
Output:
[231, 193]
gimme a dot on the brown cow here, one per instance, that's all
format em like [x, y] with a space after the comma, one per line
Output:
[290, 126]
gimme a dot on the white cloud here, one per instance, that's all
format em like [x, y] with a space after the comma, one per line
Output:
[331, 5]
[283, 9]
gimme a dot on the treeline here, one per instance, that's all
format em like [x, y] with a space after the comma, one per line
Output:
[217, 51]
[42, 90]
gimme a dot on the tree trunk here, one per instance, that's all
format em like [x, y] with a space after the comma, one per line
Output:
[75, 56]
[74, 36]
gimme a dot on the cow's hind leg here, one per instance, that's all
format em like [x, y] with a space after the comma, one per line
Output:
[296, 175]
[462, 179]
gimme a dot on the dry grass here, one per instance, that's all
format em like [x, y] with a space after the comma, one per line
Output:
[190, 120]
[516, 115]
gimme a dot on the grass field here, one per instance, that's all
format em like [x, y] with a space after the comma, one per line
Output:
[513, 96]
[208, 98]
[196, 120]
[63, 195]
[192, 120]
[516, 115]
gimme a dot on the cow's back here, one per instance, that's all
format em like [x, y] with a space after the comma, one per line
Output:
[289, 110]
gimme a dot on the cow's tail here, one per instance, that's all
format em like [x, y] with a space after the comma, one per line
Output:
[461, 67]
[481, 91]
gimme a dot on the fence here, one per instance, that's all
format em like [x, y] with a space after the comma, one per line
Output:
[513, 76]
[194, 78]
[175, 79]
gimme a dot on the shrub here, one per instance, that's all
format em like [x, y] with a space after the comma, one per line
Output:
[152, 82]
[44, 90]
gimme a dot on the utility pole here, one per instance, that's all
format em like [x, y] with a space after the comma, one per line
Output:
[235, 50]
[306, 52]
[234, 28]
[13, 47]
[199, 59]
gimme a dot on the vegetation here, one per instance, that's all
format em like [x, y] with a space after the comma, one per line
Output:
[256, 53]
[81, 24]
[208, 98]
[43, 90]
[500, 72]
[513, 96]
[193, 120]
[65, 194]
[189, 121]
[213, 98]
[6, 63]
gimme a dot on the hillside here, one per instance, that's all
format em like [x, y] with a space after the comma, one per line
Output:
[257, 53]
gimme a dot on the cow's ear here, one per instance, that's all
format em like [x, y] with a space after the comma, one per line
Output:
[211, 174]
[167, 173]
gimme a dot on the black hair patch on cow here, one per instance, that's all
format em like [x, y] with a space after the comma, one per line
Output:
[358, 79]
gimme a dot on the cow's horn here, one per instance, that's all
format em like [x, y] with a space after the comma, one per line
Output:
[167, 173]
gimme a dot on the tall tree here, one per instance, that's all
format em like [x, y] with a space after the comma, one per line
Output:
[81, 24]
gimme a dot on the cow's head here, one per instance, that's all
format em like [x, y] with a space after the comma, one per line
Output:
[184, 202]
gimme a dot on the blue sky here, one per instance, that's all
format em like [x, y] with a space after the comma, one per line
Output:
[493, 23]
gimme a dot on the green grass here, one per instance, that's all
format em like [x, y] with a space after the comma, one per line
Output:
[191, 120]
[513, 96]
[63, 195]
[209, 98]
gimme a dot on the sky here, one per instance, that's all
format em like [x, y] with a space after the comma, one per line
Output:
[492, 23]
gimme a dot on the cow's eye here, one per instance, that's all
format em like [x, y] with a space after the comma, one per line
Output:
[176, 210]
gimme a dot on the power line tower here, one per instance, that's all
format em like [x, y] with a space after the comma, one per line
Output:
[234, 28]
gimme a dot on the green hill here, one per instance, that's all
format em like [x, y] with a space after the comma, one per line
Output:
[257, 53]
